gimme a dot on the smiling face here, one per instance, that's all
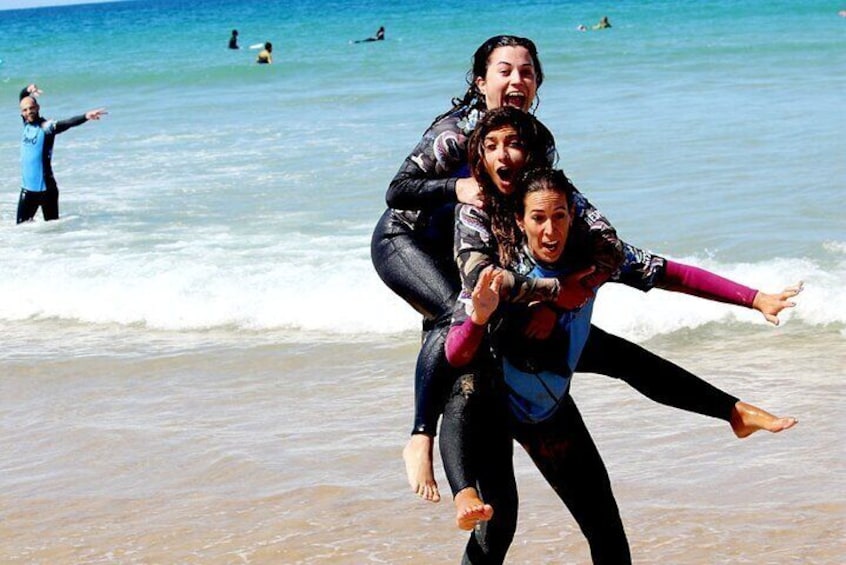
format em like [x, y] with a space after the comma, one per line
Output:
[510, 79]
[504, 156]
[29, 109]
[546, 221]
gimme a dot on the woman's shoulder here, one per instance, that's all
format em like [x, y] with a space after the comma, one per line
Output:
[460, 119]
[473, 223]
[471, 213]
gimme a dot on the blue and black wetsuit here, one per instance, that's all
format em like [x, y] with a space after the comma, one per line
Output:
[475, 441]
[38, 184]
[531, 393]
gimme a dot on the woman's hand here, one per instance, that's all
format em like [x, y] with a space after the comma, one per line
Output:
[486, 295]
[770, 305]
[468, 191]
[575, 289]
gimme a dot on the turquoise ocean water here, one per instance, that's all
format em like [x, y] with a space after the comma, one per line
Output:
[213, 253]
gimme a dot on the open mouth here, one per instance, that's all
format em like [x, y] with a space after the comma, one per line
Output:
[505, 174]
[515, 99]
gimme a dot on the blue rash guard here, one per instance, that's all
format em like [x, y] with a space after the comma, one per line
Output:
[537, 373]
[37, 152]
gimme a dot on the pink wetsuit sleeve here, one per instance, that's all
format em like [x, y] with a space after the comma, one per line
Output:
[705, 284]
[462, 342]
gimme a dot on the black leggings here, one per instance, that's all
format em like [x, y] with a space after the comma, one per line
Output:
[566, 456]
[29, 202]
[473, 453]
[428, 280]
[652, 376]
[561, 449]
[605, 354]
[476, 442]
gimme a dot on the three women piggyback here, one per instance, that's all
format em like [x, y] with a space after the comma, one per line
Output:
[527, 264]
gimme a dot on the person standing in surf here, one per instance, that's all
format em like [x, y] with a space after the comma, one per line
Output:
[38, 184]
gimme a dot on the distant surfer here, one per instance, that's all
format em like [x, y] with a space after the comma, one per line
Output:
[38, 185]
[233, 41]
[265, 56]
[380, 36]
[602, 24]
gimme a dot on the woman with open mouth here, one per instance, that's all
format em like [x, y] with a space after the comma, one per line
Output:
[412, 244]
[544, 242]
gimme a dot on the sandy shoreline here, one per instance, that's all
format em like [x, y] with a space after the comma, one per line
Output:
[291, 454]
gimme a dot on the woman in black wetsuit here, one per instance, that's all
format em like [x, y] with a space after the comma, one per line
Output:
[475, 441]
[412, 245]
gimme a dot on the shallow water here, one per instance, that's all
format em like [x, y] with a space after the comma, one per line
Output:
[290, 453]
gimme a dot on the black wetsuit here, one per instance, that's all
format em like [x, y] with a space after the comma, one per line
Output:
[561, 448]
[477, 427]
[412, 248]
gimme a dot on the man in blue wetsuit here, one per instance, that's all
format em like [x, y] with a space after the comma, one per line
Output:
[38, 185]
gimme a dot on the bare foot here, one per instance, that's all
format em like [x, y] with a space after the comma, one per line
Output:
[747, 419]
[469, 509]
[417, 455]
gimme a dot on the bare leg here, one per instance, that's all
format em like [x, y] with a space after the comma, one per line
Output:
[747, 419]
[417, 455]
[469, 509]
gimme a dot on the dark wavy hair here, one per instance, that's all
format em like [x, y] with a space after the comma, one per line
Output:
[481, 59]
[539, 179]
[539, 145]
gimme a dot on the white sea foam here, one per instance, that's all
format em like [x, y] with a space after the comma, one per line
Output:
[640, 316]
[215, 196]
[191, 286]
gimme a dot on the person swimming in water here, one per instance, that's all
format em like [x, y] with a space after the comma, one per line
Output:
[380, 36]
[602, 24]
[265, 56]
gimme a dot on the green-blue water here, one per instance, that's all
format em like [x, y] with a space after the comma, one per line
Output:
[711, 132]
[199, 365]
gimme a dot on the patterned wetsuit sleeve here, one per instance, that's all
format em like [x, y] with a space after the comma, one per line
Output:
[476, 248]
[604, 247]
[641, 269]
[644, 270]
[427, 177]
[64, 125]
